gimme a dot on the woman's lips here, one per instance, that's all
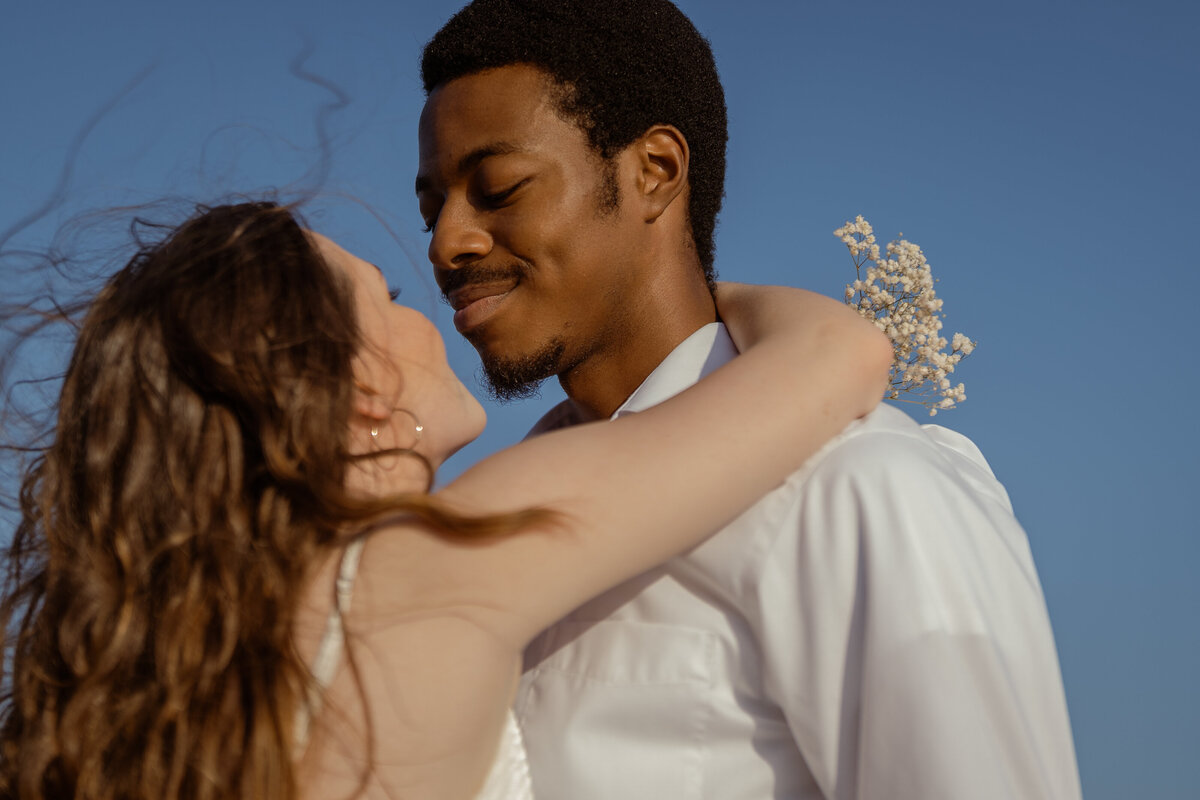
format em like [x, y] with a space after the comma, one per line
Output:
[474, 305]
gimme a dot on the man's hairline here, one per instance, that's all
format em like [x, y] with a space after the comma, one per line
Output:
[558, 91]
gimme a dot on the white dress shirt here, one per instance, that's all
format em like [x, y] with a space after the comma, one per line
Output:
[873, 628]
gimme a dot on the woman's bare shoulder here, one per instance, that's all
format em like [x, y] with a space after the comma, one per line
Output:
[428, 673]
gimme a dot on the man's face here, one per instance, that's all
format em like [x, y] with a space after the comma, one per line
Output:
[530, 242]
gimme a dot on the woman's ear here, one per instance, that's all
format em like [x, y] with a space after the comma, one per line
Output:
[370, 404]
[662, 153]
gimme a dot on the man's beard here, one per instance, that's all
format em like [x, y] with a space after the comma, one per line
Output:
[520, 378]
[506, 378]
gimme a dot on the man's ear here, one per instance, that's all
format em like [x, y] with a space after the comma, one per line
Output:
[663, 161]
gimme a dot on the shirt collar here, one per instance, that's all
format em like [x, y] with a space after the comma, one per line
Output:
[692, 359]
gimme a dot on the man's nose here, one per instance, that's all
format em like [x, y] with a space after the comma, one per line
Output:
[459, 237]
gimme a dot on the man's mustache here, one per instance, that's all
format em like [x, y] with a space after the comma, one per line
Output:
[450, 280]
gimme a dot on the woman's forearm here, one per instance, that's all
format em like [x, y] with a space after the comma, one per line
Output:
[755, 315]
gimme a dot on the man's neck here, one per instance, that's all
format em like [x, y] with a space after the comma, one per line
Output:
[599, 384]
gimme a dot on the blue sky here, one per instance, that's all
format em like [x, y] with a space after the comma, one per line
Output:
[1043, 155]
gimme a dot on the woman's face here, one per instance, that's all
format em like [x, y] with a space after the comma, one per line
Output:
[401, 372]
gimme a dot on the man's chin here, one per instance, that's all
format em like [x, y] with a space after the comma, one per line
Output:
[520, 377]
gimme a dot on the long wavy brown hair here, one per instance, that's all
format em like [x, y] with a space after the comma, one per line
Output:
[194, 480]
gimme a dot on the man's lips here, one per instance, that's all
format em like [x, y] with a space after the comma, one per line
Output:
[475, 304]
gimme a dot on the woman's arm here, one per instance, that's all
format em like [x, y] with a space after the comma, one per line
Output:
[638, 490]
[752, 313]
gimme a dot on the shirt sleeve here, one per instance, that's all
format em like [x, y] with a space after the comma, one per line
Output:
[905, 634]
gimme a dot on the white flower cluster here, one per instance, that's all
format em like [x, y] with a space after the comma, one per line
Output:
[896, 293]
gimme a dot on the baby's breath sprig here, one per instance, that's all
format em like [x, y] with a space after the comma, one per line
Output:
[896, 293]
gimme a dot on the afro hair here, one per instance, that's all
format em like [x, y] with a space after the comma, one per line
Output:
[624, 65]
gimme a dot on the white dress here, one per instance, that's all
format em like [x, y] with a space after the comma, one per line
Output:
[508, 778]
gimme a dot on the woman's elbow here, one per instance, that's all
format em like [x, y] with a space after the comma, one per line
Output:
[871, 356]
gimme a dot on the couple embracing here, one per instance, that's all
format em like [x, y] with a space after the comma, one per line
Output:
[753, 583]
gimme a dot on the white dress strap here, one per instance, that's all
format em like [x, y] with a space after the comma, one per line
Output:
[329, 652]
[508, 778]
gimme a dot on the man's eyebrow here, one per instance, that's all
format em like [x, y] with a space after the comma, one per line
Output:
[472, 159]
